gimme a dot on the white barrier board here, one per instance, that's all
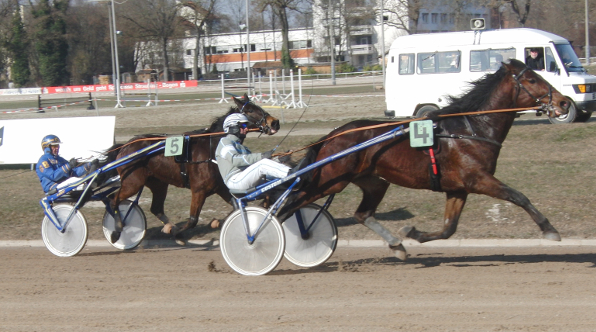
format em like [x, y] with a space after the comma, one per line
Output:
[83, 137]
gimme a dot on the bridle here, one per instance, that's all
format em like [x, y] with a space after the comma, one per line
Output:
[262, 123]
[546, 107]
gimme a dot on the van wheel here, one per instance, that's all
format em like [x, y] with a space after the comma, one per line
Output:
[424, 110]
[583, 116]
[570, 117]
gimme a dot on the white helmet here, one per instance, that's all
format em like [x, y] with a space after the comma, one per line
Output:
[233, 120]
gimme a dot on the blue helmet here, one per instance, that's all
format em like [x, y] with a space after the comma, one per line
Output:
[49, 140]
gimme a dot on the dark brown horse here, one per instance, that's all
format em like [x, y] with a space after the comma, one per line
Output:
[200, 174]
[466, 161]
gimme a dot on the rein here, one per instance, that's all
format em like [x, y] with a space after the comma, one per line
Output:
[397, 123]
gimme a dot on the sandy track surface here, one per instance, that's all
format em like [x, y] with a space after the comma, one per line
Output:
[358, 289]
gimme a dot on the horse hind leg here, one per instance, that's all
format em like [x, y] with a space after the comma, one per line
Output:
[373, 191]
[453, 208]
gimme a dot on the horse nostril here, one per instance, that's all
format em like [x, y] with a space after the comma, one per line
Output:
[564, 104]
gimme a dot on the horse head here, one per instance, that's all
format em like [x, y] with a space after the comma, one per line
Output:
[533, 90]
[267, 123]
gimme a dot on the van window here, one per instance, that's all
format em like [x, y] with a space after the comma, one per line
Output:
[551, 63]
[535, 57]
[439, 62]
[406, 64]
[569, 58]
[490, 59]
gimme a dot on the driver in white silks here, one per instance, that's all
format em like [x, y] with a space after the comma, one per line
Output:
[240, 168]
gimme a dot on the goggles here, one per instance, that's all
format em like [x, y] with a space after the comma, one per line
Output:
[243, 125]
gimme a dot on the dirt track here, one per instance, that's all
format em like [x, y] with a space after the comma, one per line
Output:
[438, 289]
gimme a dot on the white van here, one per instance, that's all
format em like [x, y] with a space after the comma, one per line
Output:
[423, 69]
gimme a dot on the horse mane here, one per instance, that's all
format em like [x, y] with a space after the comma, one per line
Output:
[479, 92]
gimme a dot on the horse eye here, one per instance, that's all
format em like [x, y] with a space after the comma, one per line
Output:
[531, 80]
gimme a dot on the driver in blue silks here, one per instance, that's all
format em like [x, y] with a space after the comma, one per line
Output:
[54, 171]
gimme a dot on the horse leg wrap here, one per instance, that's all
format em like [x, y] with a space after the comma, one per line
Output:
[163, 218]
[374, 225]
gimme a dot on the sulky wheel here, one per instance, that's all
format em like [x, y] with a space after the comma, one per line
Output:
[260, 257]
[320, 243]
[135, 226]
[72, 240]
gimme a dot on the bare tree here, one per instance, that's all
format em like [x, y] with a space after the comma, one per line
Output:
[403, 14]
[156, 20]
[281, 8]
[200, 15]
[521, 8]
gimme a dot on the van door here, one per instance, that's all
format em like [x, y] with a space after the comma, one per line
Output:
[544, 58]
[551, 70]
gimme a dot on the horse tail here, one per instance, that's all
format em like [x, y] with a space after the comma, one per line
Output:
[112, 152]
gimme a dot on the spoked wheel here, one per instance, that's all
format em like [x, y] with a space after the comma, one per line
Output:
[72, 240]
[260, 257]
[135, 226]
[320, 243]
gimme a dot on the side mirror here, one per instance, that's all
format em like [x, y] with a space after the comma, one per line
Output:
[552, 66]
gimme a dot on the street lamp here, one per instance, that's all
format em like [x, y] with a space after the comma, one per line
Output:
[248, 71]
[587, 35]
[114, 50]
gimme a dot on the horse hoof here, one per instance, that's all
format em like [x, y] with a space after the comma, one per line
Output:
[180, 241]
[405, 231]
[553, 236]
[169, 228]
[400, 252]
[115, 236]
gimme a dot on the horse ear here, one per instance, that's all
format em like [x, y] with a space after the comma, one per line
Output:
[238, 102]
[508, 66]
[246, 97]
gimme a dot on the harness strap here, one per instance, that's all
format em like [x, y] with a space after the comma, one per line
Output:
[472, 138]
[184, 175]
[435, 177]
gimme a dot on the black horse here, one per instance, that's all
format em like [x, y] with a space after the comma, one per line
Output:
[465, 157]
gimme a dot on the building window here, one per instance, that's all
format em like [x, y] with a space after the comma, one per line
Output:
[443, 18]
[188, 52]
[433, 18]
[424, 17]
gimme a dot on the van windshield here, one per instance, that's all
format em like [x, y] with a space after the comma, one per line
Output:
[569, 58]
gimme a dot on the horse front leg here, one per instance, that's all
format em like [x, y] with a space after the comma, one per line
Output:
[453, 208]
[127, 189]
[159, 189]
[373, 191]
[197, 201]
[223, 192]
[494, 188]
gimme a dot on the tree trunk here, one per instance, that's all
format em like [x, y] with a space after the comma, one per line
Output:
[286, 58]
[166, 67]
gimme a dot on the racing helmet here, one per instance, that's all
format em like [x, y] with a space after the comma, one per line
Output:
[49, 140]
[233, 120]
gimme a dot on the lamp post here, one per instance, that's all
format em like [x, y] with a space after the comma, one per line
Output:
[248, 71]
[114, 49]
[383, 41]
[115, 56]
[587, 35]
